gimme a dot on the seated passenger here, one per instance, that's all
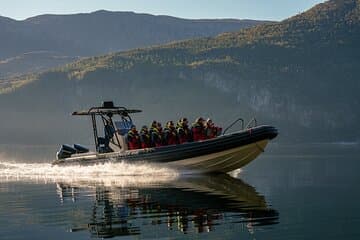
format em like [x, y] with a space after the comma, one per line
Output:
[145, 137]
[170, 134]
[183, 131]
[133, 138]
[211, 130]
[198, 129]
[152, 127]
[156, 136]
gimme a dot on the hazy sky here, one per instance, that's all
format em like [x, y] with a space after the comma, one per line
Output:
[250, 9]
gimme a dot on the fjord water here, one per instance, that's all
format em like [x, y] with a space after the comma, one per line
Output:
[290, 192]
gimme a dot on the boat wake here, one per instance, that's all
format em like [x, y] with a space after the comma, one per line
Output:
[108, 174]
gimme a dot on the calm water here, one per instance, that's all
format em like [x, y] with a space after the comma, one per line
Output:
[292, 192]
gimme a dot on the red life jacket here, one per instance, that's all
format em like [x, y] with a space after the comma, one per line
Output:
[170, 136]
[133, 140]
[184, 135]
[156, 138]
[198, 132]
[211, 132]
[145, 139]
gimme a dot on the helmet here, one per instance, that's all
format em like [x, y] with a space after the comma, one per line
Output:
[199, 120]
[144, 127]
[170, 124]
[153, 124]
[183, 120]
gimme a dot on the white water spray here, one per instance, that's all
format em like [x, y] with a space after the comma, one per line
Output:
[119, 174]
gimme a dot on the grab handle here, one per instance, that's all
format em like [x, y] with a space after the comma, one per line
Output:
[232, 124]
[250, 122]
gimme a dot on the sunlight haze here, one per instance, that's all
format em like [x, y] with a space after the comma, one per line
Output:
[241, 9]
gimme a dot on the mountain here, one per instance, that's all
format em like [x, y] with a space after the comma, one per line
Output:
[96, 33]
[301, 75]
[32, 62]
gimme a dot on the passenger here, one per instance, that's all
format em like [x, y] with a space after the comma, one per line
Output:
[170, 134]
[211, 130]
[145, 138]
[183, 131]
[133, 138]
[156, 136]
[153, 125]
[198, 129]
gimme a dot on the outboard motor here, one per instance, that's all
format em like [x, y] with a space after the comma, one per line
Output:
[65, 151]
[80, 148]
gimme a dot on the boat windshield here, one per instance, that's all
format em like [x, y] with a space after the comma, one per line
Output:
[123, 126]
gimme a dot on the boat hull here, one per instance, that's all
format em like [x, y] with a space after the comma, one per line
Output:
[224, 161]
[222, 154]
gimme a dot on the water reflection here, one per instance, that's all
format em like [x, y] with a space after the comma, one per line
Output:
[193, 204]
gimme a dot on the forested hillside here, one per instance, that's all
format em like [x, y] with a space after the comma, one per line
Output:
[301, 75]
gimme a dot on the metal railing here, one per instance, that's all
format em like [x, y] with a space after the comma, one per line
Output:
[253, 120]
[232, 124]
[250, 124]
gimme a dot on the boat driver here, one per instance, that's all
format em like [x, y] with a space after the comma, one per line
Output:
[109, 131]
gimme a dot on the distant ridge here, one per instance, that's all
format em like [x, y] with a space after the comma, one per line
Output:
[100, 32]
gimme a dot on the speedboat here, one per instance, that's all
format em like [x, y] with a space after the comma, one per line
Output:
[223, 153]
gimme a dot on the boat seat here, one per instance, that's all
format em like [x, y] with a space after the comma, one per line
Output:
[103, 145]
